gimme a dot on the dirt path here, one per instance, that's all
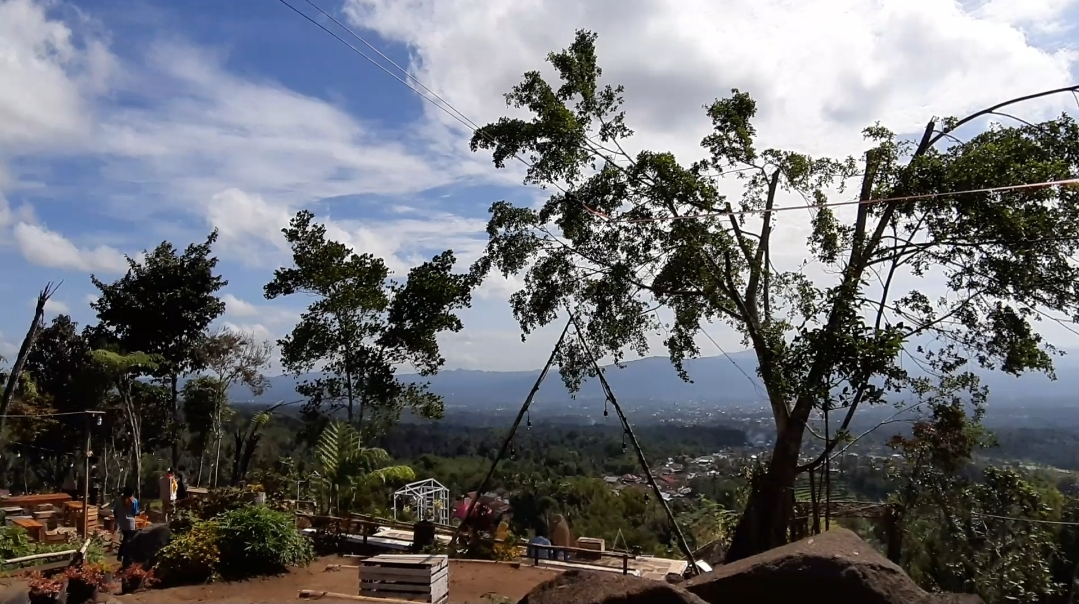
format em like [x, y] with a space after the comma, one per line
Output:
[470, 583]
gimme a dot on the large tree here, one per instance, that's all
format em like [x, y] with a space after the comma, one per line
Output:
[230, 358]
[632, 231]
[363, 325]
[163, 307]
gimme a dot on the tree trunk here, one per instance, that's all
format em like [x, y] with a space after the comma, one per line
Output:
[202, 460]
[24, 351]
[764, 522]
[174, 398]
[348, 386]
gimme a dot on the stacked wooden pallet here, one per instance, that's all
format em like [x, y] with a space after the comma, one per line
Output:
[418, 578]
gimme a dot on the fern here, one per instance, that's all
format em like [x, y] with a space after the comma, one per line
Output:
[347, 465]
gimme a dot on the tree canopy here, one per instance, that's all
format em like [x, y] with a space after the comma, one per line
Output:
[163, 306]
[632, 231]
[363, 325]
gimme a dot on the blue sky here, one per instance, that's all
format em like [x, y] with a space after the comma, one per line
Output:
[123, 123]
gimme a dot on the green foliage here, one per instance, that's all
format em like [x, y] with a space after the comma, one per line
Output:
[255, 540]
[163, 306]
[833, 342]
[985, 535]
[347, 466]
[363, 325]
[204, 399]
[218, 501]
[191, 557]
[15, 543]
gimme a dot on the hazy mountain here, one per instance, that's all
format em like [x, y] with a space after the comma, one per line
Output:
[720, 380]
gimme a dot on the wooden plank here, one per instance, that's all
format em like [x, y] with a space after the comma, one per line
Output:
[410, 579]
[329, 595]
[392, 574]
[404, 560]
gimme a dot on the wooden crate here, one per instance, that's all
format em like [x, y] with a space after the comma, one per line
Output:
[593, 545]
[418, 577]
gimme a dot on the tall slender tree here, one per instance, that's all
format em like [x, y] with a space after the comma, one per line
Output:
[629, 231]
[362, 325]
[163, 307]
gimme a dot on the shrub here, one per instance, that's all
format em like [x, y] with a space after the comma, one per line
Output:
[135, 577]
[85, 581]
[44, 588]
[192, 557]
[218, 501]
[256, 540]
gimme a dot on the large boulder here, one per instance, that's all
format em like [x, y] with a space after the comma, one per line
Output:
[835, 567]
[584, 587]
[143, 546]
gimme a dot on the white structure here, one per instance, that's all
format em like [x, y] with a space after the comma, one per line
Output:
[428, 497]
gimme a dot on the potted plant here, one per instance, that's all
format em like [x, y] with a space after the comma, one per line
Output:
[135, 578]
[85, 582]
[44, 590]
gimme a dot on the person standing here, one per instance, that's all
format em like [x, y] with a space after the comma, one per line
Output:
[125, 511]
[166, 488]
[181, 483]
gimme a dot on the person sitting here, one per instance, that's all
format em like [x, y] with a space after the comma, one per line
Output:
[537, 553]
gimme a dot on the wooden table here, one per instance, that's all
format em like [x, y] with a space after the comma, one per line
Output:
[29, 501]
[35, 529]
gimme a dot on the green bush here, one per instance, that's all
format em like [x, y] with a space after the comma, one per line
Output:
[256, 540]
[192, 557]
[218, 501]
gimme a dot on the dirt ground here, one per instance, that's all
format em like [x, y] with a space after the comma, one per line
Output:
[470, 583]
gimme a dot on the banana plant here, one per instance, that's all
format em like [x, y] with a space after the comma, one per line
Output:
[346, 465]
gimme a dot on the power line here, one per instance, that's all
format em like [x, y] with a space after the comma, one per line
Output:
[470, 123]
[446, 107]
[722, 213]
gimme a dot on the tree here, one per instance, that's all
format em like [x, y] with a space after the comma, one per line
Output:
[204, 403]
[346, 465]
[63, 370]
[363, 325]
[13, 376]
[630, 232]
[124, 370]
[232, 358]
[163, 307]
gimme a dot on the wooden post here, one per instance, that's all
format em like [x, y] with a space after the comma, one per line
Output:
[86, 482]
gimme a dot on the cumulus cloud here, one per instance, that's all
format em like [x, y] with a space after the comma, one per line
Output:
[51, 76]
[820, 71]
[43, 247]
[55, 307]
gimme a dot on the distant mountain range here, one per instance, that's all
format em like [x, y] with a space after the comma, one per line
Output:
[724, 381]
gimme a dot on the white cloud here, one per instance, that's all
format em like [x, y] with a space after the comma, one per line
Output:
[50, 76]
[8, 350]
[820, 71]
[250, 226]
[236, 307]
[55, 307]
[43, 247]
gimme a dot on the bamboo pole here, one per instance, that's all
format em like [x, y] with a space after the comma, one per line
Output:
[682, 544]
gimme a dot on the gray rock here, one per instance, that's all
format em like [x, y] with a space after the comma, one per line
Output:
[143, 546]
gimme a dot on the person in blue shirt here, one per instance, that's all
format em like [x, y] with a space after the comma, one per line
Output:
[540, 539]
[125, 510]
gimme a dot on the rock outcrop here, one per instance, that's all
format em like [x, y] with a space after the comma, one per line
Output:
[584, 587]
[835, 567]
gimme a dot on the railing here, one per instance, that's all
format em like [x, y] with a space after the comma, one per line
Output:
[534, 554]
